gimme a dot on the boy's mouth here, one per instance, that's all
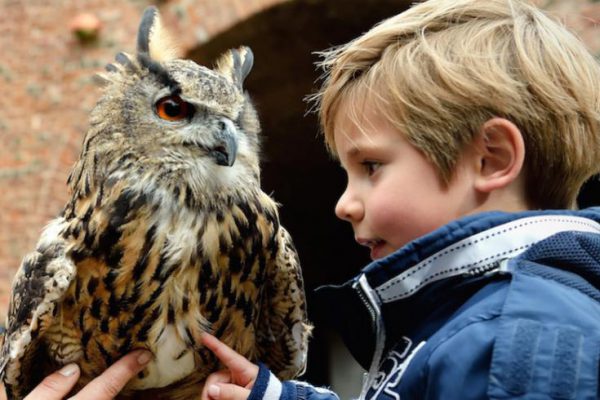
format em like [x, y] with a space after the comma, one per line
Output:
[375, 245]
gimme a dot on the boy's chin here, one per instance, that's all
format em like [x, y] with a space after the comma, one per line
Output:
[380, 250]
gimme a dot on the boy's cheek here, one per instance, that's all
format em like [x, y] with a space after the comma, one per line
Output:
[399, 223]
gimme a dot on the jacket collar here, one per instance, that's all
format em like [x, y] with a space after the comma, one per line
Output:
[468, 247]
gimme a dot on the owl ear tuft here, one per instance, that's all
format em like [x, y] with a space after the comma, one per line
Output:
[236, 64]
[153, 39]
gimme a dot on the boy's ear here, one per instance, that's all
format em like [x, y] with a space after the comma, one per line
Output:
[500, 154]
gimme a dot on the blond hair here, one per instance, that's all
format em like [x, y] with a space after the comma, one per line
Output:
[442, 68]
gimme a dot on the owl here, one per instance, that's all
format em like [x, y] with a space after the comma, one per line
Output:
[166, 235]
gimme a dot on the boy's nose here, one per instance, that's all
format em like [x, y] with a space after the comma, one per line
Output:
[348, 208]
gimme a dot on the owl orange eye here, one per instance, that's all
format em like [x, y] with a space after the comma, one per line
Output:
[173, 108]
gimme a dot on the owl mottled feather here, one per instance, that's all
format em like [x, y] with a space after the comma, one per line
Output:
[167, 235]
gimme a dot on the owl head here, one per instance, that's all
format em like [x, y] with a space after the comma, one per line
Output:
[166, 122]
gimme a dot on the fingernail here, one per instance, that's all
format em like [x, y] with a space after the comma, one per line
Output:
[214, 391]
[69, 370]
[144, 357]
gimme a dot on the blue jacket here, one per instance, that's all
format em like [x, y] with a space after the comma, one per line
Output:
[494, 305]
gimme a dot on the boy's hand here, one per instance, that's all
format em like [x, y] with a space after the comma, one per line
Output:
[233, 383]
[105, 387]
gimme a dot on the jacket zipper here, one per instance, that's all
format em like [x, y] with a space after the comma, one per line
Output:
[367, 296]
[496, 267]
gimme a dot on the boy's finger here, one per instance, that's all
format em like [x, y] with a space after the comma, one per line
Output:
[235, 362]
[223, 376]
[112, 381]
[57, 385]
[225, 391]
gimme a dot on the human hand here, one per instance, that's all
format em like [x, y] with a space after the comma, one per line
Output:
[105, 387]
[233, 383]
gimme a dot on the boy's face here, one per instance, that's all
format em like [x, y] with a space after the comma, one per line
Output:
[393, 193]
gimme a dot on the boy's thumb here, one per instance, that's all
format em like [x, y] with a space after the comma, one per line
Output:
[227, 391]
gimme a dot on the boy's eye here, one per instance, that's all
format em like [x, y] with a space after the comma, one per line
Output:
[370, 166]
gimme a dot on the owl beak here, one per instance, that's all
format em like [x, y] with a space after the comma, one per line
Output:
[225, 152]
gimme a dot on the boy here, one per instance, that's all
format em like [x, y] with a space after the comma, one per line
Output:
[456, 122]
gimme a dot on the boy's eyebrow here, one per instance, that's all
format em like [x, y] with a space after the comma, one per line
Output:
[363, 148]
[349, 155]
[353, 152]
[359, 147]
[364, 143]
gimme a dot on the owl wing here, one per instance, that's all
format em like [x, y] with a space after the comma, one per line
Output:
[38, 287]
[283, 329]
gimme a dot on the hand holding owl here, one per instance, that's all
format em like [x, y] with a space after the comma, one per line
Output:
[105, 387]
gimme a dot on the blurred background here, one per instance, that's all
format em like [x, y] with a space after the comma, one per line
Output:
[50, 50]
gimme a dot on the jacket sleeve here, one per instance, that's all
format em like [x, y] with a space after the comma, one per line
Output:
[512, 358]
[268, 387]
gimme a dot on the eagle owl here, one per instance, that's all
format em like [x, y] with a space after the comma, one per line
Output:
[166, 235]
